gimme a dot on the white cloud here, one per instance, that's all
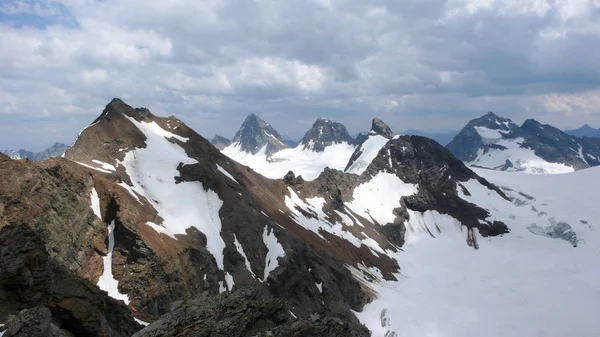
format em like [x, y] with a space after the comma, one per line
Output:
[351, 60]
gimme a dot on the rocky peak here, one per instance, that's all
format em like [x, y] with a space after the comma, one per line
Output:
[494, 122]
[255, 134]
[585, 131]
[423, 161]
[324, 133]
[220, 142]
[379, 127]
[475, 134]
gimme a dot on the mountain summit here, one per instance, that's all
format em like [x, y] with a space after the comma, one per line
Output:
[584, 131]
[498, 143]
[255, 134]
[324, 133]
[369, 147]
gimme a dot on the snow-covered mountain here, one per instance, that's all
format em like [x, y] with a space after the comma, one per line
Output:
[498, 143]
[324, 133]
[220, 142]
[255, 135]
[325, 144]
[55, 150]
[411, 242]
[584, 131]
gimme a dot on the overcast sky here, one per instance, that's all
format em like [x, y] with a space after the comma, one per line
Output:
[426, 64]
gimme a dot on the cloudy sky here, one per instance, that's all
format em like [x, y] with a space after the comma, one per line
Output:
[426, 64]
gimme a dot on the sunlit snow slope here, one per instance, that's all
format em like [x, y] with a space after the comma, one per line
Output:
[522, 158]
[305, 162]
[530, 282]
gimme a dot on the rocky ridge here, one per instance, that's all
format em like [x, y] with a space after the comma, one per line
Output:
[498, 143]
[323, 133]
[291, 248]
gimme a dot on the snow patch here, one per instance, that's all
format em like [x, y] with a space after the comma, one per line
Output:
[140, 322]
[229, 281]
[523, 159]
[93, 168]
[275, 250]
[95, 203]
[130, 190]
[240, 249]
[307, 163]
[319, 286]
[152, 170]
[369, 203]
[222, 170]
[105, 166]
[107, 281]
[370, 148]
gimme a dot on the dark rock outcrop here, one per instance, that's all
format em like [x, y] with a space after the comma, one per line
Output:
[378, 127]
[30, 278]
[255, 133]
[35, 322]
[245, 313]
[438, 174]
[324, 133]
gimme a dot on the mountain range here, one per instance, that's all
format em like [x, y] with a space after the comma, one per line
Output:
[145, 228]
[498, 143]
[56, 150]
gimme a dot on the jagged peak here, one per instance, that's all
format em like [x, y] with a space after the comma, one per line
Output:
[379, 127]
[255, 133]
[323, 133]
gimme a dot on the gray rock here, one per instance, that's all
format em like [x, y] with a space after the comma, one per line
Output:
[220, 142]
[379, 127]
[35, 322]
[255, 133]
[324, 133]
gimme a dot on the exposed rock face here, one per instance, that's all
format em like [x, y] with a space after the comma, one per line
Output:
[35, 322]
[30, 277]
[220, 142]
[255, 133]
[324, 133]
[244, 313]
[493, 136]
[378, 127]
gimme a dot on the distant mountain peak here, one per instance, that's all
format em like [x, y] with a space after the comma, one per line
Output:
[324, 133]
[55, 150]
[498, 143]
[220, 142]
[255, 133]
[585, 131]
[379, 127]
